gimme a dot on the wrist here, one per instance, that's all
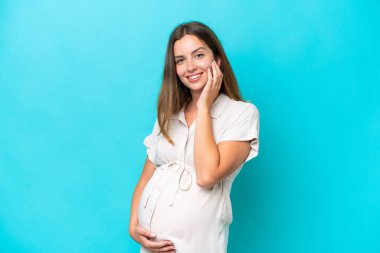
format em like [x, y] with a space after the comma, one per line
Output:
[132, 233]
[203, 111]
[132, 226]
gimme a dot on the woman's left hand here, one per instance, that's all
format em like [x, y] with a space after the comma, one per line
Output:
[212, 87]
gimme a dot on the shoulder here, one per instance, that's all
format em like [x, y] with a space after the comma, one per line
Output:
[238, 108]
[156, 127]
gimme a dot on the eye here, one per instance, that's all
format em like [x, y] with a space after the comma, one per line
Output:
[179, 61]
[199, 55]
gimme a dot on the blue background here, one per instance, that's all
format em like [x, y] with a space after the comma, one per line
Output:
[78, 86]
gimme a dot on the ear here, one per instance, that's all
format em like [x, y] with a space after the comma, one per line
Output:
[218, 61]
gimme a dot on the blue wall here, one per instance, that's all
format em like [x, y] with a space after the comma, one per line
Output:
[78, 86]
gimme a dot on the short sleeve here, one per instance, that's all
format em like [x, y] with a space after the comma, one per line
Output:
[150, 142]
[244, 127]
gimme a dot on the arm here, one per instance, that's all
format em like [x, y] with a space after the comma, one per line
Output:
[139, 234]
[215, 162]
[146, 174]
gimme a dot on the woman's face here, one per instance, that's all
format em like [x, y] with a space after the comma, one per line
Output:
[192, 58]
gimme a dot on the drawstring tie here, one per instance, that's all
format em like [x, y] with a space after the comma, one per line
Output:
[167, 173]
[184, 182]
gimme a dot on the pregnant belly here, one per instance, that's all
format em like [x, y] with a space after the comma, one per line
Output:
[173, 205]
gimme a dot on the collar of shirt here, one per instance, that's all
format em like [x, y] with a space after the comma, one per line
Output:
[217, 108]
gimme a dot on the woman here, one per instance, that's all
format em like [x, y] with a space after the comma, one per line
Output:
[203, 135]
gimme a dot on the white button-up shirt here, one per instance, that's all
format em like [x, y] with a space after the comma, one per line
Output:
[172, 205]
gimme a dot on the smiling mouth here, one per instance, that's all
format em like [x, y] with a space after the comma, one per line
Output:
[194, 77]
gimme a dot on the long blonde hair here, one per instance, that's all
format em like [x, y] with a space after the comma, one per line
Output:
[173, 94]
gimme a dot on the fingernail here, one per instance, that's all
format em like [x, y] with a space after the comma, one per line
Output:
[152, 234]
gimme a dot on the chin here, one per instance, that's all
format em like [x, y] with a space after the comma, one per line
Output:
[195, 86]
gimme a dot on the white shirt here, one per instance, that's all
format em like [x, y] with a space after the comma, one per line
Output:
[172, 205]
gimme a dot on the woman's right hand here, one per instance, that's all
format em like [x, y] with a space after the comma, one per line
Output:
[146, 239]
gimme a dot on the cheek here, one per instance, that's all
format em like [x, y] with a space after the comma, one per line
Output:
[205, 64]
[179, 71]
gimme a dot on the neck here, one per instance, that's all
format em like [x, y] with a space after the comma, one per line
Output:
[192, 105]
[195, 96]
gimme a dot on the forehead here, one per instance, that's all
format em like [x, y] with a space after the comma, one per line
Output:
[187, 44]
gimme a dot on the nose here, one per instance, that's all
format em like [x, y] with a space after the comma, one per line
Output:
[191, 66]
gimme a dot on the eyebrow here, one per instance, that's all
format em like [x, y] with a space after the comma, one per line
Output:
[199, 48]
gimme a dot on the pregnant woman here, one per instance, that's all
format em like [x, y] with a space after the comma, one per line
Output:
[203, 134]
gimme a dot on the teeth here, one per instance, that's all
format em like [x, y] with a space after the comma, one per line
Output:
[195, 76]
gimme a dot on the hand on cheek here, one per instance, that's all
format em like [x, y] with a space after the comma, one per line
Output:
[212, 87]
